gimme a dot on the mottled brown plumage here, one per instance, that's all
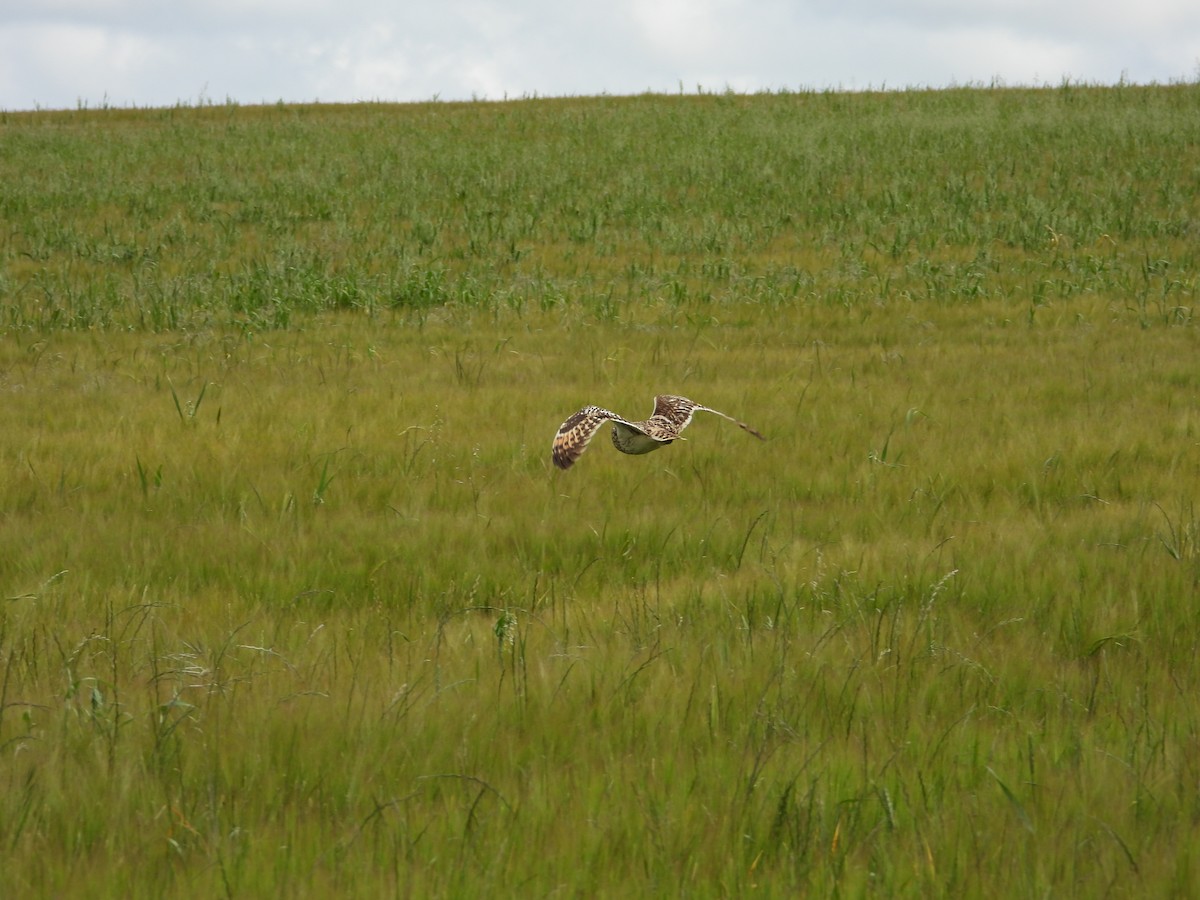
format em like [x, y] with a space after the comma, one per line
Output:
[671, 415]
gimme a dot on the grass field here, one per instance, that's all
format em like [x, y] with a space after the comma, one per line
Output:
[293, 603]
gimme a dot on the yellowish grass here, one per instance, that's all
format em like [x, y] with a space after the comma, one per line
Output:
[340, 624]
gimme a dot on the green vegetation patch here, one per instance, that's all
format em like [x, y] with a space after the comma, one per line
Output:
[292, 600]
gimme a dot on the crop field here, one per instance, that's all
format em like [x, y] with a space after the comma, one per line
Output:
[293, 602]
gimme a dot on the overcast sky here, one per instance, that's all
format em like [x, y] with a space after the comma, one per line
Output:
[68, 53]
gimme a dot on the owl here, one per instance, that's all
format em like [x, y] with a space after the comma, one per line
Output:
[671, 415]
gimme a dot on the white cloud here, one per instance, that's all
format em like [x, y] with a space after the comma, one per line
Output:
[57, 65]
[1117, 17]
[976, 55]
[682, 29]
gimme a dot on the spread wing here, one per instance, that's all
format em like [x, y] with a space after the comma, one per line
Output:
[575, 433]
[678, 411]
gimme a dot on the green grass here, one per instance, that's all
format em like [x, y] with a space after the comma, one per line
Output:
[294, 603]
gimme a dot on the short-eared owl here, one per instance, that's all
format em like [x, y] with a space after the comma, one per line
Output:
[671, 415]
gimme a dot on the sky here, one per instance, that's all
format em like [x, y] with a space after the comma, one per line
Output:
[66, 54]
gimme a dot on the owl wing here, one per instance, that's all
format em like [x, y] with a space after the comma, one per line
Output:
[676, 410]
[575, 433]
[679, 410]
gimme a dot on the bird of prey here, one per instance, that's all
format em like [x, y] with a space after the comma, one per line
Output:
[671, 415]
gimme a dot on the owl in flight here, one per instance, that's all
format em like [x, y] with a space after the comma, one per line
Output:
[671, 415]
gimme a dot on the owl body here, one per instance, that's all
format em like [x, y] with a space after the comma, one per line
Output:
[635, 441]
